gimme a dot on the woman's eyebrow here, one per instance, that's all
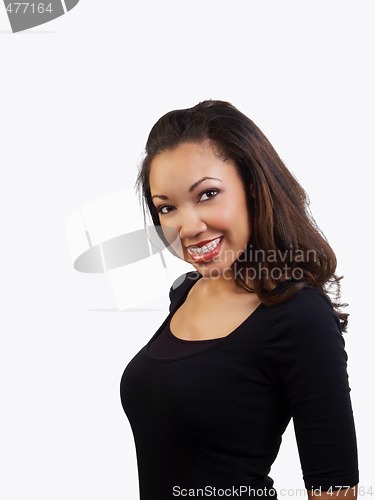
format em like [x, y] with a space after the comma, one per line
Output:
[191, 188]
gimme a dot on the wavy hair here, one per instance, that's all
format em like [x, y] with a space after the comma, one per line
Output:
[284, 234]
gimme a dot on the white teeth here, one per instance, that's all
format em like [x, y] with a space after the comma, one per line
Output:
[206, 248]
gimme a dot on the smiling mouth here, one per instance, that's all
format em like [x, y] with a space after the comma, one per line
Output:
[194, 250]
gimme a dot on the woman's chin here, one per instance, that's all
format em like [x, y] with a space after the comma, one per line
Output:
[210, 270]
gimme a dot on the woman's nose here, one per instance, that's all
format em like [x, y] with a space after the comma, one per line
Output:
[190, 225]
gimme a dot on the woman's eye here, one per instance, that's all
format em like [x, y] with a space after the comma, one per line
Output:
[206, 195]
[163, 209]
[210, 193]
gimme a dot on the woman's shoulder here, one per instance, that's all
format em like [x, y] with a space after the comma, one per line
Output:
[306, 299]
[304, 344]
[181, 286]
[309, 313]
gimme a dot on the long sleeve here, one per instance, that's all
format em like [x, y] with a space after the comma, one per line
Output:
[305, 356]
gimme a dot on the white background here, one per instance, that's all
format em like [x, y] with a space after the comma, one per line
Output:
[78, 97]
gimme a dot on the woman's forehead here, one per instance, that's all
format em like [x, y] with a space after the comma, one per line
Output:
[186, 161]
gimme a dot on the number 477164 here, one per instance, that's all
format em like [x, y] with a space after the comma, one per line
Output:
[34, 8]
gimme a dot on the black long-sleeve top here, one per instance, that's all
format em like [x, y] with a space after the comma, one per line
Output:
[208, 419]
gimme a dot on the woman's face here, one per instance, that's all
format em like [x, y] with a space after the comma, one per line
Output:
[201, 197]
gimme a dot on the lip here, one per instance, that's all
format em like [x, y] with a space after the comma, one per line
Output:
[208, 256]
[202, 243]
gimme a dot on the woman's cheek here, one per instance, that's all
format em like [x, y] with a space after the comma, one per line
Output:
[173, 241]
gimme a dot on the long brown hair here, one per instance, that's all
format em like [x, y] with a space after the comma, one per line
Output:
[284, 233]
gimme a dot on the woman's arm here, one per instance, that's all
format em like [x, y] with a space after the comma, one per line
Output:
[306, 355]
[350, 493]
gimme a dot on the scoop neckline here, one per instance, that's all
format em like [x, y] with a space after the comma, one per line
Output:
[211, 346]
[186, 341]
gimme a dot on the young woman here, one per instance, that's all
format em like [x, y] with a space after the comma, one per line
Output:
[253, 338]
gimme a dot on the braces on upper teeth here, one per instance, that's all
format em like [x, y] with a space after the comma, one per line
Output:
[206, 248]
